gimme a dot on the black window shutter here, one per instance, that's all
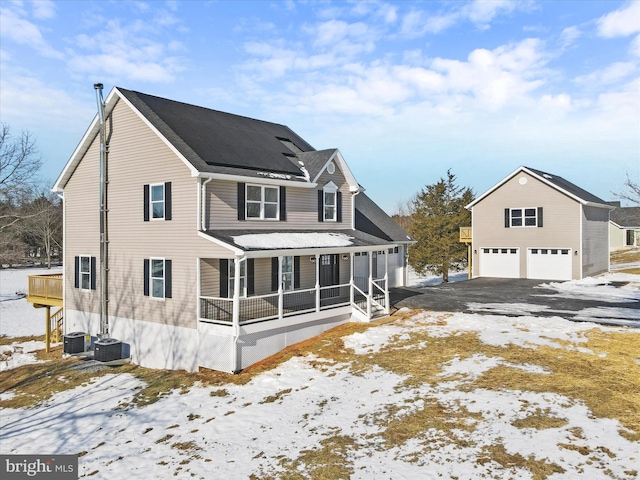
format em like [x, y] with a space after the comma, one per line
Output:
[274, 274]
[320, 206]
[224, 278]
[93, 273]
[146, 277]
[167, 202]
[507, 219]
[241, 201]
[146, 202]
[539, 216]
[339, 206]
[167, 278]
[283, 204]
[250, 276]
[76, 278]
[296, 272]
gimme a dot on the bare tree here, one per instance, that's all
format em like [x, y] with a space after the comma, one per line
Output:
[631, 191]
[19, 165]
[43, 227]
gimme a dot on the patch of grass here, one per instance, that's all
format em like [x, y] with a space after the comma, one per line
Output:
[539, 468]
[277, 396]
[447, 422]
[36, 383]
[328, 461]
[540, 420]
[626, 255]
[186, 446]
[4, 340]
[164, 439]
[219, 393]
[581, 376]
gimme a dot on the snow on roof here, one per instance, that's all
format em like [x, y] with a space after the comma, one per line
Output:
[274, 241]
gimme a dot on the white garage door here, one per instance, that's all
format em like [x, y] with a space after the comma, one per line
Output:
[500, 262]
[549, 263]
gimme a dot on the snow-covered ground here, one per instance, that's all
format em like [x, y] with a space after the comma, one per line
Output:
[18, 318]
[239, 431]
[428, 279]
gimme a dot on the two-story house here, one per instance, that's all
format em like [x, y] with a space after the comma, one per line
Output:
[534, 224]
[225, 238]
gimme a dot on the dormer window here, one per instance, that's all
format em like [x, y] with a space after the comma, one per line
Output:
[330, 203]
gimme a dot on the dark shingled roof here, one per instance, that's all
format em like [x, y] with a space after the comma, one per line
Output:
[210, 138]
[370, 218]
[567, 186]
[628, 217]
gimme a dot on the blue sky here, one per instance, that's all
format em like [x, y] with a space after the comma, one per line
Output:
[405, 90]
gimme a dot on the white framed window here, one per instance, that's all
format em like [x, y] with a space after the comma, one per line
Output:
[156, 200]
[262, 202]
[232, 276]
[287, 273]
[157, 278]
[330, 202]
[523, 217]
[85, 272]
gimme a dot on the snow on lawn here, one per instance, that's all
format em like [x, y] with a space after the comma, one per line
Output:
[18, 317]
[428, 279]
[273, 424]
[273, 421]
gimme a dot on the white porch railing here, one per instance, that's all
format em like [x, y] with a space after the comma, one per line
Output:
[267, 307]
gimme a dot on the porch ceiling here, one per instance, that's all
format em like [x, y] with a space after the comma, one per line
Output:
[265, 243]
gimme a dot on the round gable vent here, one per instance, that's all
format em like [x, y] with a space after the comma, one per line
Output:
[331, 168]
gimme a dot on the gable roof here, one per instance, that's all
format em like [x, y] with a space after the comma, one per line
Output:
[554, 181]
[211, 142]
[626, 217]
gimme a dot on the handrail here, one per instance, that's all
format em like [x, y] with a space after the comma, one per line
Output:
[47, 286]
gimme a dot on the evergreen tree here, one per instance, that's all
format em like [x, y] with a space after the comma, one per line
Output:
[438, 214]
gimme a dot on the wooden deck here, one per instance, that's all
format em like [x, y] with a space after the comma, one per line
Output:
[45, 290]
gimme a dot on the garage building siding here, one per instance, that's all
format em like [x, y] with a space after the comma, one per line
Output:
[595, 227]
[561, 227]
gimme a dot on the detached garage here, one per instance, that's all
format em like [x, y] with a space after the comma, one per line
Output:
[511, 240]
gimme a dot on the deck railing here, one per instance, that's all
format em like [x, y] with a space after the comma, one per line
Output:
[45, 288]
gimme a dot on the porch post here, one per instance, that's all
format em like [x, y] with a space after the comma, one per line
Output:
[351, 280]
[370, 291]
[280, 291]
[317, 282]
[386, 282]
[236, 314]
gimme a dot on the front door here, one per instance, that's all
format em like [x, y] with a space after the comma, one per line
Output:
[329, 275]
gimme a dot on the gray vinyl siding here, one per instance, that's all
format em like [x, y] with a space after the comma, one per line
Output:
[137, 156]
[561, 221]
[302, 207]
[82, 229]
[595, 240]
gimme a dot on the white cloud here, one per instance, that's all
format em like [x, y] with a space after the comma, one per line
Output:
[15, 27]
[569, 36]
[620, 23]
[128, 50]
[479, 12]
[43, 9]
[611, 74]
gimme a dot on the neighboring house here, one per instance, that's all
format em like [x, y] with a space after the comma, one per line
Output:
[229, 238]
[538, 225]
[624, 227]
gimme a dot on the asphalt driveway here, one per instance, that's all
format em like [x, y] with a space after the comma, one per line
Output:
[516, 297]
